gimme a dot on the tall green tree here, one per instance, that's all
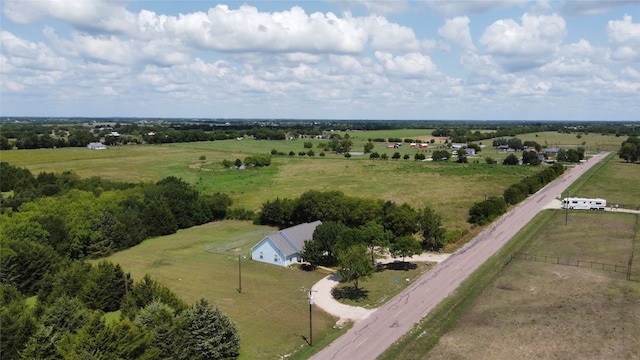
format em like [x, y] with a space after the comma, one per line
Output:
[405, 246]
[431, 229]
[212, 335]
[105, 287]
[355, 265]
[375, 237]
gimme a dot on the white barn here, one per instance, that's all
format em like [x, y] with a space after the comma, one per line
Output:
[284, 247]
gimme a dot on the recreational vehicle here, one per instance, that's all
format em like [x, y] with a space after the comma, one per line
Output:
[584, 204]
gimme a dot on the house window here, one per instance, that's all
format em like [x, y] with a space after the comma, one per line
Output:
[261, 255]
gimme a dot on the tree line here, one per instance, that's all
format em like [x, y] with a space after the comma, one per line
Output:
[54, 222]
[94, 217]
[483, 212]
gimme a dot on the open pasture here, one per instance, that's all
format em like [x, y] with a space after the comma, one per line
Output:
[536, 310]
[271, 312]
[451, 188]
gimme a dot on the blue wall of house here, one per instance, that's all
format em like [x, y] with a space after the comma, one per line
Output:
[266, 252]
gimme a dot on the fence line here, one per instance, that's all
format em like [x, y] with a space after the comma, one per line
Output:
[572, 262]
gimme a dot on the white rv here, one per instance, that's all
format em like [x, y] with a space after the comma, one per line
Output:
[584, 204]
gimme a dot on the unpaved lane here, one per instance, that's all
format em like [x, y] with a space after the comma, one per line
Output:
[371, 336]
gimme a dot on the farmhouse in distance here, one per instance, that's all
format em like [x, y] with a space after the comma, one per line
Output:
[284, 247]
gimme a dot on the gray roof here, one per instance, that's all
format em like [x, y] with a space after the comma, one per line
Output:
[291, 240]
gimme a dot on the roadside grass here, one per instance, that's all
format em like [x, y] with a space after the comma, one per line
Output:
[271, 312]
[592, 142]
[617, 182]
[385, 284]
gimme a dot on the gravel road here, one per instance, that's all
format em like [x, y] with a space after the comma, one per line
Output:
[377, 331]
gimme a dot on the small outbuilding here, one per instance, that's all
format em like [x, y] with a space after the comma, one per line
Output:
[284, 247]
[96, 146]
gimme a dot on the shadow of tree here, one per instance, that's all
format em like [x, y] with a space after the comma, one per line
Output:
[350, 292]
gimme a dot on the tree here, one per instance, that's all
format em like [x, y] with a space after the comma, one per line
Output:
[354, 265]
[462, 156]
[17, 324]
[573, 156]
[326, 235]
[395, 156]
[237, 163]
[440, 155]
[515, 144]
[312, 253]
[374, 155]
[530, 157]
[368, 147]
[484, 212]
[375, 237]
[511, 159]
[405, 246]
[400, 220]
[406, 157]
[105, 287]
[211, 334]
[430, 227]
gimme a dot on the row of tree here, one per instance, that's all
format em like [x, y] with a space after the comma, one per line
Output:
[485, 211]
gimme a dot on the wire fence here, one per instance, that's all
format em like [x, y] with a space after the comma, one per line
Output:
[573, 262]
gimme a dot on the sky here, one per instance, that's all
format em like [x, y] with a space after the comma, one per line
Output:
[331, 59]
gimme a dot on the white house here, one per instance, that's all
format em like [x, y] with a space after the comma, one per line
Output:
[96, 146]
[284, 247]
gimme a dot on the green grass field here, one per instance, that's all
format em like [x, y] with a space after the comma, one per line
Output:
[271, 312]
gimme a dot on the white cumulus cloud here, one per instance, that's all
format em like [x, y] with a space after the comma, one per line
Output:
[456, 30]
[524, 46]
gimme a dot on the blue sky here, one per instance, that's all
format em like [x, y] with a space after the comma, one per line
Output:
[333, 59]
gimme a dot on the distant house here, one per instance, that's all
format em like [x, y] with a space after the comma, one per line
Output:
[284, 247]
[96, 146]
[470, 151]
[458, 145]
[551, 152]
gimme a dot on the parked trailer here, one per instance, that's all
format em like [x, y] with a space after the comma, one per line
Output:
[584, 204]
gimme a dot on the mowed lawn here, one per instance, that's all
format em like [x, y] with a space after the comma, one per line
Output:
[271, 312]
[537, 310]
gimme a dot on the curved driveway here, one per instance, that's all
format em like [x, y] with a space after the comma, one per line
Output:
[371, 336]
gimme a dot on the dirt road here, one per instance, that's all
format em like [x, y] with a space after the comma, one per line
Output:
[374, 334]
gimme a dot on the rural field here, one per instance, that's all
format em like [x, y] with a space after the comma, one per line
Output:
[543, 310]
[450, 188]
[537, 310]
[271, 311]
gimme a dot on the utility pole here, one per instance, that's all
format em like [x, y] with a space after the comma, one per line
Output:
[239, 275]
[311, 291]
[566, 208]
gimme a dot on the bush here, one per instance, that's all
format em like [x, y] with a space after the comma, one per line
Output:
[484, 212]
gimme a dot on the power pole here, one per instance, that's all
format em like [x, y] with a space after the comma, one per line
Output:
[311, 291]
[239, 275]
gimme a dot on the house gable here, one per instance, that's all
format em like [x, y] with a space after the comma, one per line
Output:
[284, 247]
